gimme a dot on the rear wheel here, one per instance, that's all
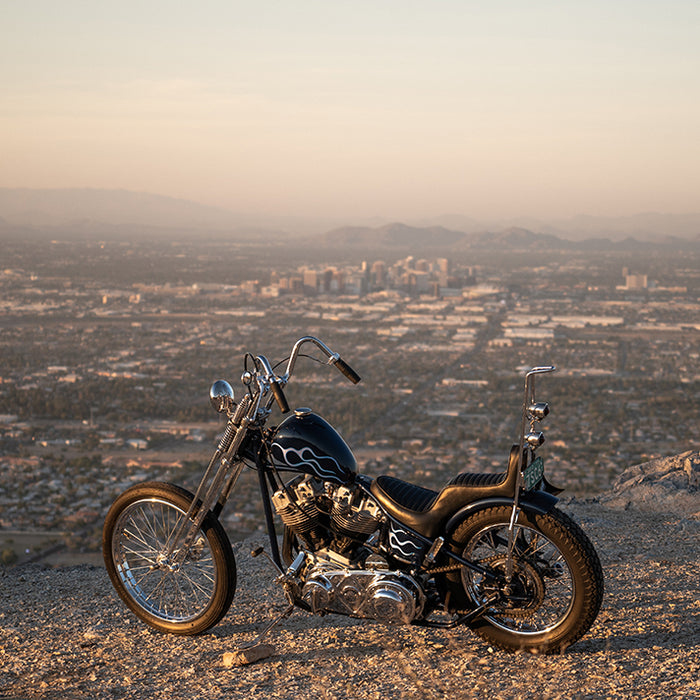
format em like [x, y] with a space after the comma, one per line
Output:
[186, 597]
[556, 587]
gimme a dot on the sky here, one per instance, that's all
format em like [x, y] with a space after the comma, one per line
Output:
[349, 109]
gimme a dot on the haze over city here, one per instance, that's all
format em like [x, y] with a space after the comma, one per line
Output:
[357, 110]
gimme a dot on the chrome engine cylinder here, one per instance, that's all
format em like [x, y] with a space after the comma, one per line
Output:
[353, 516]
[297, 508]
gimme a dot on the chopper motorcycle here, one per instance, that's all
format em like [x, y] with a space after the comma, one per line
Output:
[488, 551]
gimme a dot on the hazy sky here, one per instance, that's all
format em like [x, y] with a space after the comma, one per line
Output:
[396, 109]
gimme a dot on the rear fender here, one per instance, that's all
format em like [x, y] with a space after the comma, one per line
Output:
[539, 502]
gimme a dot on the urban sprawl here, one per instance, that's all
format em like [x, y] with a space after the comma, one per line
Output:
[109, 349]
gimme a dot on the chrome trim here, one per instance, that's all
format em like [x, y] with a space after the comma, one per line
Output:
[535, 438]
[539, 410]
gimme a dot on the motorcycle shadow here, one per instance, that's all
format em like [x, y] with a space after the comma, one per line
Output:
[298, 623]
[324, 638]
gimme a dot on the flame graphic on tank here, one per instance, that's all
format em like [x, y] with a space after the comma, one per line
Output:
[306, 457]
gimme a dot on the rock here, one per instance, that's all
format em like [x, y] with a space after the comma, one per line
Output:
[249, 655]
[664, 484]
[92, 635]
[692, 469]
[95, 632]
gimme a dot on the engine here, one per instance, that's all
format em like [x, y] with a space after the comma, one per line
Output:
[341, 576]
[326, 515]
[387, 596]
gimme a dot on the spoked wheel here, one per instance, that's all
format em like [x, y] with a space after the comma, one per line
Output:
[180, 597]
[555, 587]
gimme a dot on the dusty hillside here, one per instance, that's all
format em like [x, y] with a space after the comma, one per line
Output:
[64, 634]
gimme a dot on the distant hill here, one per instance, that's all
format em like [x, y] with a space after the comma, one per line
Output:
[652, 226]
[123, 212]
[60, 207]
[516, 238]
[513, 238]
[391, 236]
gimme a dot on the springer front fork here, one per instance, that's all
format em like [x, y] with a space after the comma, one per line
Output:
[215, 486]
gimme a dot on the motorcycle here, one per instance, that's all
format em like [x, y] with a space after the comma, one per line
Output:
[491, 552]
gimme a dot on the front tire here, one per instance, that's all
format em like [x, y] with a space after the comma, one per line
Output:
[557, 581]
[186, 598]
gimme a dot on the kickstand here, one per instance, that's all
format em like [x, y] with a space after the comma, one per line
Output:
[255, 651]
[270, 625]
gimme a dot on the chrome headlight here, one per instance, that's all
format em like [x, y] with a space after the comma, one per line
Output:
[221, 396]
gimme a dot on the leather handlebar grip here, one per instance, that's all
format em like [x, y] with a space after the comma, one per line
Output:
[347, 371]
[281, 399]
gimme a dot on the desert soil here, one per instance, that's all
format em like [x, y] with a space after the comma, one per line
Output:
[64, 634]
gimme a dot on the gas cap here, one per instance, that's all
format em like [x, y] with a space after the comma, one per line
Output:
[301, 412]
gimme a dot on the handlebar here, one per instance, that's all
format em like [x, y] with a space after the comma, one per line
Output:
[333, 359]
[267, 379]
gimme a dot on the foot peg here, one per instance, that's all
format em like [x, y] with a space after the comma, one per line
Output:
[261, 550]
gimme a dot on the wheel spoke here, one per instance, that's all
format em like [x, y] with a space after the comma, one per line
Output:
[530, 606]
[136, 534]
[140, 544]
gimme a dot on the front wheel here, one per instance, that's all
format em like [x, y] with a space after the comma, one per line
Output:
[180, 597]
[556, 584]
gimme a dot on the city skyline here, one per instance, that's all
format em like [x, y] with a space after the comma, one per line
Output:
[359, 110]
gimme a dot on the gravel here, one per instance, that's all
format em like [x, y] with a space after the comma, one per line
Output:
[65, 634]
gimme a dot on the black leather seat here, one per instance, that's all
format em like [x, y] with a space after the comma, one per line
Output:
[426, 511]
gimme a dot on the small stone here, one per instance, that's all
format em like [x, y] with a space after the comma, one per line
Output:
[93, 634]
[242, 657]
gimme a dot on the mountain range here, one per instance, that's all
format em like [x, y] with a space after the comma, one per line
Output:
[511, 238]
[103, 212]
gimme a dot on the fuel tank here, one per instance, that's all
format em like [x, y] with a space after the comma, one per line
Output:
[304, 442]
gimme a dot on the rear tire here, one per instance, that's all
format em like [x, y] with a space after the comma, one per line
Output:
[185, 599]
[557, 585]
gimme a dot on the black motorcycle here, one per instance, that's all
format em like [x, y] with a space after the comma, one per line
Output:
[489, 551]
